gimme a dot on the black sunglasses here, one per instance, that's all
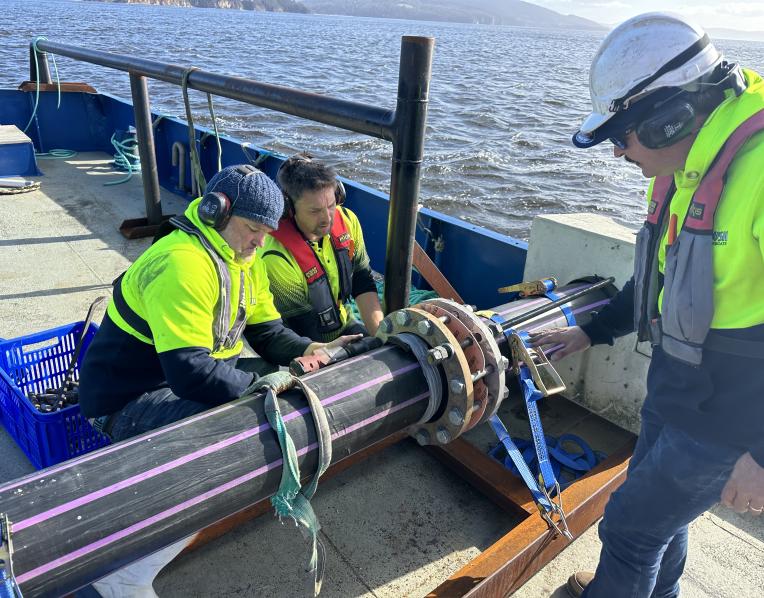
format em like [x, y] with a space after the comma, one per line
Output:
[620, 140]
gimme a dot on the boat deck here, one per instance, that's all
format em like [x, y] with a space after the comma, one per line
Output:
[399, 524]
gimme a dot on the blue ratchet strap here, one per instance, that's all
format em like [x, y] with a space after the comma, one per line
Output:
[565, 308]
[547, 485]
[531, 394]
[521, 466]
[568, 466]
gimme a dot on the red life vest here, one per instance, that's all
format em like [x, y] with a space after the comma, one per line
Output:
[325, 315]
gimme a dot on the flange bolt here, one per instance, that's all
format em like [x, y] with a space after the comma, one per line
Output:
[456, 417]
[402, 317]
[422, 437]
[443, 436]
[440, 353]
[424, 328]
[456, 386]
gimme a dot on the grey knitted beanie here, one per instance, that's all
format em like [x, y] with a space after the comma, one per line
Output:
[253, 195]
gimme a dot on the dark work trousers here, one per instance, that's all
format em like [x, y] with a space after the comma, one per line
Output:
[672, 479]
[161, 407]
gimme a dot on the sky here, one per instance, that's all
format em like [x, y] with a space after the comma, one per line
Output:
[743, 15]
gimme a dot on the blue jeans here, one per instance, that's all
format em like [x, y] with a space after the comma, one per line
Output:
[672, 479]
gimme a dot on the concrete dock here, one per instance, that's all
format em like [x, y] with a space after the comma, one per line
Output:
[398, 524]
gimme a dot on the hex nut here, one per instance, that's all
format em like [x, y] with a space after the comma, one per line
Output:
[443, 436]
[456, 386]
[424, 328]
[402, 317]
[422, 437]
[456, 417]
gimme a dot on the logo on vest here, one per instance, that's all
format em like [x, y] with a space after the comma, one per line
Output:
[719, 237]
[652, 206]
[312, 272]
[696, 211]
[344, 237]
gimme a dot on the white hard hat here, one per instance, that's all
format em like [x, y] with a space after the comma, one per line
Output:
[648, 52]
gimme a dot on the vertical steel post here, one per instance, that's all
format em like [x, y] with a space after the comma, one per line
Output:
[408, 151]
[41, 69]
[145, 134]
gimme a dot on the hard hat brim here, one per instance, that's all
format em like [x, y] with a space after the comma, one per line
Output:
[591, 131]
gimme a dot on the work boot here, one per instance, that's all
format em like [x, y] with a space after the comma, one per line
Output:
[577, 583]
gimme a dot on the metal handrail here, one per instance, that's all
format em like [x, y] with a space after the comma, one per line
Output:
[404, 127]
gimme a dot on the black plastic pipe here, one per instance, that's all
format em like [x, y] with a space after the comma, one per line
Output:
[78, 521]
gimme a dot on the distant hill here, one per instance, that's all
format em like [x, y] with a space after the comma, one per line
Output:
[493, 12]
[261, 5]
[717, 33]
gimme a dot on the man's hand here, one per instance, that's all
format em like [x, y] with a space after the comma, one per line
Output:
[340, 341]
[573, 339]
[745, 488]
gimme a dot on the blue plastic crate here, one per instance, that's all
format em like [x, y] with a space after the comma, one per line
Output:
[33, 363]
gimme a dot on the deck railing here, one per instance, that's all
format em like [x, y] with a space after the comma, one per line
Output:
[404, 127]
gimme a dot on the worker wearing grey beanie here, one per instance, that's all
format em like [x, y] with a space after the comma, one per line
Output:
[252, 195]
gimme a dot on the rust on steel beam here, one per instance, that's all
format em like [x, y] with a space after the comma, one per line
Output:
[516, 557]
[434, 277]
[224, 526]
[486, 474]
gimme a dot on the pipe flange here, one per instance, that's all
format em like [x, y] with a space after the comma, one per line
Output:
[473, 353]
[496, 379]
[459, 396]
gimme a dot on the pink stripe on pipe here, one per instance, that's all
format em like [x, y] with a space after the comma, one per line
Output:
[103, 542]
[218, 446]
[116, 447]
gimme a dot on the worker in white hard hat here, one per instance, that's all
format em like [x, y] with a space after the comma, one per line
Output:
[694, 123]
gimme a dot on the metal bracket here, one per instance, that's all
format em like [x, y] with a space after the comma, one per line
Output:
[460, 396]
[546, 378]
[6, 557]
[532, 288]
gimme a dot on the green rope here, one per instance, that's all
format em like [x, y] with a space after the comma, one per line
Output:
[37, 83]
[125, 157]
[196, 166]
[415, 296]
[217, 135]
[56, 154]
[291, 500]
[262, 154]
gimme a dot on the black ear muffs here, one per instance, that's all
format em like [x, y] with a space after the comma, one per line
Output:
[672, 121]
[216, 208]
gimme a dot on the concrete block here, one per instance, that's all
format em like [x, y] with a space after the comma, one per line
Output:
[608, 381]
